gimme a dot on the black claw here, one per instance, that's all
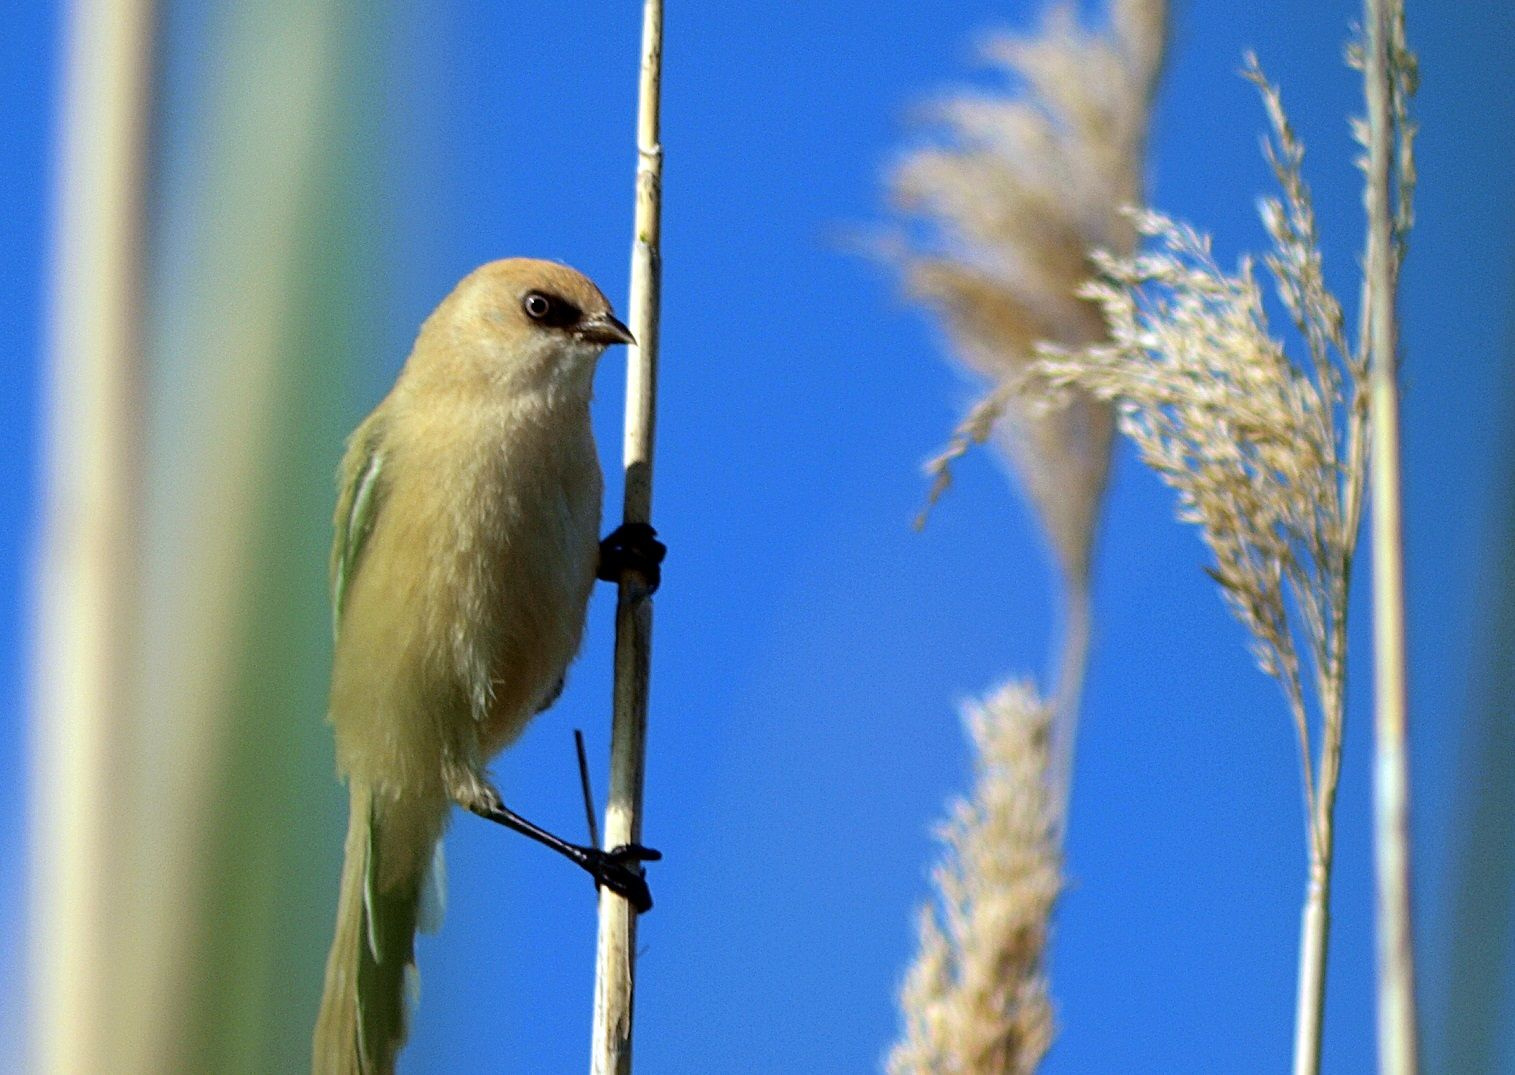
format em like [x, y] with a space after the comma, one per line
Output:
[618, 870]
[635, 853]
[633, 546]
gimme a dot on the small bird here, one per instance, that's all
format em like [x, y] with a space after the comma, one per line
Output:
[466, 546]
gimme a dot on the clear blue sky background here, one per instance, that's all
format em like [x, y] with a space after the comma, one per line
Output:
[810, 646]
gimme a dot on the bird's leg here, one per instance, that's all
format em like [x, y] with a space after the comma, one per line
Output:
[632, 546]
[618, 869]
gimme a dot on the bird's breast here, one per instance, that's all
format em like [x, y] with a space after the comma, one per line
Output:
[477, 574]
[525, 551]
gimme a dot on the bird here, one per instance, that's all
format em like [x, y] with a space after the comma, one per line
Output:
[466, 543]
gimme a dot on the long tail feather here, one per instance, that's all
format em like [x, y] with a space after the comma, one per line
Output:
[371, 978]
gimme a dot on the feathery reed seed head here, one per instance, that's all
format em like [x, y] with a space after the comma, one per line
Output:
[1013, 192]
[1265, 453]
[975, 1000]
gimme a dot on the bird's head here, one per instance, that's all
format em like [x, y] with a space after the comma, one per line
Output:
[523, 324]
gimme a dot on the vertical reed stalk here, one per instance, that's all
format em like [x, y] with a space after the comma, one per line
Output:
[90, 535]
[615, 963]
[1073, 665]
[1315, 916]
[1397, 1046]
[1309, 1001]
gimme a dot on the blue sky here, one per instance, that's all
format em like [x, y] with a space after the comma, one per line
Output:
[811, 648]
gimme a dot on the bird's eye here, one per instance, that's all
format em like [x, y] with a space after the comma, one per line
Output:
[537, 306]
[549, 310]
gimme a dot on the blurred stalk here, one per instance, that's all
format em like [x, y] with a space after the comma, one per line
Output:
[1397, 1031]
[265, 302]
[1073, 666]
[90, 550]
[1479, 893]
[615, 961]
[223, 813]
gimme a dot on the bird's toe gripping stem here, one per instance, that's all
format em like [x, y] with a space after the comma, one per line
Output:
[620, 870]
[632, 546]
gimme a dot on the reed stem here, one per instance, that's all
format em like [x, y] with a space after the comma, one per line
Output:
[1397, 1032]
[615, 963]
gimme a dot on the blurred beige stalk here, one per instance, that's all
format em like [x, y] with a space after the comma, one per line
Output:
[174, 770]
[975, 1000]
[1014, 193]
[90, 549]
[1390, 75]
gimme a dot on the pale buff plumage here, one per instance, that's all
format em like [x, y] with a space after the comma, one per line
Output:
[459, 606]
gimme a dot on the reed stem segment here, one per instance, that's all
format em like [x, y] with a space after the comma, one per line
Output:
[1397, 1032]
[615, 964]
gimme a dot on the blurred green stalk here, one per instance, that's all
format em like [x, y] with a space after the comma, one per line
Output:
[1475, 1005]
[215, 796]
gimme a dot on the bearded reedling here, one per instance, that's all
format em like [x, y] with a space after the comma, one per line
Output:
[466, 546]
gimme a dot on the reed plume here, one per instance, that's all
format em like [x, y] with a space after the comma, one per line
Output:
[975, 1000]
[999, 209]
[1014, 189]
[1268, 456]
[1010, 192]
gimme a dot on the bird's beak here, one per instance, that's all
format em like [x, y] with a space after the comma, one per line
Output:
[604, 328]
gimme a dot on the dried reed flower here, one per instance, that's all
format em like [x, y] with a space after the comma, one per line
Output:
[1011, 193]
[975, 1000]
[1268, 455]
[1249, 439]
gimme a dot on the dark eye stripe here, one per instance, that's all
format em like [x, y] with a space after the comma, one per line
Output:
[550, 310]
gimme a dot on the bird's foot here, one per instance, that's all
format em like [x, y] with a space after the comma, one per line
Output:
[632, 546]
[620, 870]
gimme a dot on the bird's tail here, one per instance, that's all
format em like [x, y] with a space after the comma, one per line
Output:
[391, 886]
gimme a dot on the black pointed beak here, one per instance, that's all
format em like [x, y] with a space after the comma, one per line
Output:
[604, 328]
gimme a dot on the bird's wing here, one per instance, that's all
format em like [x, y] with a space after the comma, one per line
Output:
[357, 508]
